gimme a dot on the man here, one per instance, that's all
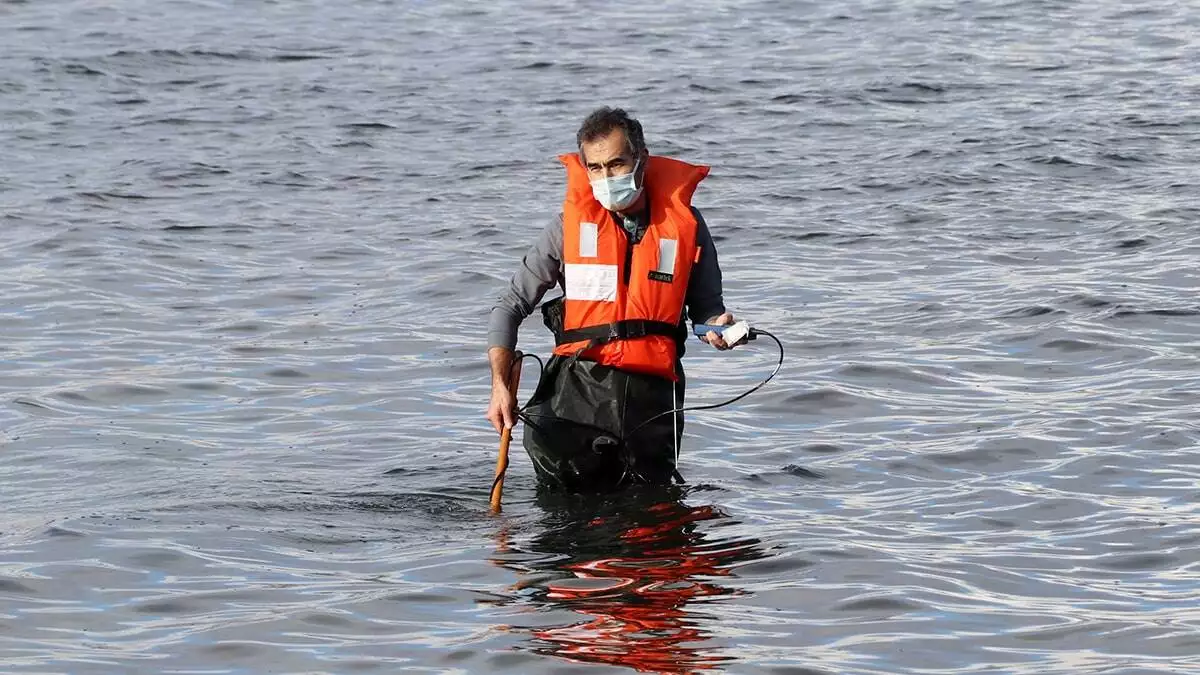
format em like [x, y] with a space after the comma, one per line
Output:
[632, 255]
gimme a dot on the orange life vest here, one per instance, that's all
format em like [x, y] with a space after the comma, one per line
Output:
[621, 306]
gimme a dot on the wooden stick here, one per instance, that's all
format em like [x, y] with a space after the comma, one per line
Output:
[514, 380]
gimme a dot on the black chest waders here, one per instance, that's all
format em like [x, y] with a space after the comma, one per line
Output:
[594, 428]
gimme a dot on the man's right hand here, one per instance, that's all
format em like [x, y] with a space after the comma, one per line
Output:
[502, 410]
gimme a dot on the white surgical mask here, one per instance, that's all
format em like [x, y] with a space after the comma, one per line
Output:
[617, 192]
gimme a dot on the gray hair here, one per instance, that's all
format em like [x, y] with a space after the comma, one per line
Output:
[602, 121]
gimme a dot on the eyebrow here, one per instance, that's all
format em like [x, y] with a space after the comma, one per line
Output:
[616, 161]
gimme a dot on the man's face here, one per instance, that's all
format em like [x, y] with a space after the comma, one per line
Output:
[608, 156]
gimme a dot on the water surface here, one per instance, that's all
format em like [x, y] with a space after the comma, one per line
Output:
[248, 252]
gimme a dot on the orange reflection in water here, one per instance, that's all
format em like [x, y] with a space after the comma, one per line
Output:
[639, 573]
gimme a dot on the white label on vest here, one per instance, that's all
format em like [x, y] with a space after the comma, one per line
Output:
[590, 282]
[666, 256]
[589, 235]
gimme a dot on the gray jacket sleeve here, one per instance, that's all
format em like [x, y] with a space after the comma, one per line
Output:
[705, 298]
[542, 268]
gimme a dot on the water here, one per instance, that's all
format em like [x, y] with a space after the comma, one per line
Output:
[249, 249]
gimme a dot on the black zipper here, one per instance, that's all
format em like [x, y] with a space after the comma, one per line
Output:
[628, 256]
[629, 243]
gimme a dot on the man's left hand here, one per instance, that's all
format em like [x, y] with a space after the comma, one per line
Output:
[712, 337]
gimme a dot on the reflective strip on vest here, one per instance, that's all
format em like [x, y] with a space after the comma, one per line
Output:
[589, 236]
[590, 282]
[666, 256]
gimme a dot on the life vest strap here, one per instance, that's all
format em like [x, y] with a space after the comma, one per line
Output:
[618, 330]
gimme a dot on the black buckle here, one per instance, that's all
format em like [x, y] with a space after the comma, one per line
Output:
[635, 329]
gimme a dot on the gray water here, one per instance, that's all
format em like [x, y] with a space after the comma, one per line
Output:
[248, 250]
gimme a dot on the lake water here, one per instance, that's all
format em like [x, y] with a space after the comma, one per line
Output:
[248, 250]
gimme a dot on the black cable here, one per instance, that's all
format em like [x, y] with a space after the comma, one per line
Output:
[754, 332]
[525, 416]
[541, 371]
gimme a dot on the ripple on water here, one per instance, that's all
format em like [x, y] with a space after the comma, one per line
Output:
[250, 253]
